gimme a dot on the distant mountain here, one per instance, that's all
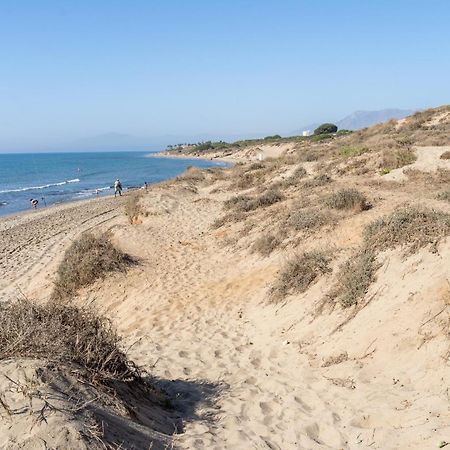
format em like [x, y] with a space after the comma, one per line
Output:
[363, 119]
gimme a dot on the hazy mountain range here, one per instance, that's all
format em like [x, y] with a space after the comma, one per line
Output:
[363, 119]
[118, 141]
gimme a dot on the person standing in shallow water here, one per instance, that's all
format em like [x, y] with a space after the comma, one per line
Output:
[34, 203]
[117, 188]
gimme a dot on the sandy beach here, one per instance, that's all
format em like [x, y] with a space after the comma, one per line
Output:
[245, 372]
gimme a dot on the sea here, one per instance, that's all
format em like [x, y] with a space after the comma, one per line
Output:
[53, 178]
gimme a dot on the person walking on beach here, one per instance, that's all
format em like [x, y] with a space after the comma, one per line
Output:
[34, 203]
[117, 188]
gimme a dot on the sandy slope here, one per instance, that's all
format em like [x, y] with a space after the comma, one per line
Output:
[245, 374]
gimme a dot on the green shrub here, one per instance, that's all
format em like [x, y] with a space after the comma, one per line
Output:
[347, 151]
[326, 128]
[272, 138]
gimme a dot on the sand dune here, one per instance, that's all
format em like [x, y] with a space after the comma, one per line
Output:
[244, 372]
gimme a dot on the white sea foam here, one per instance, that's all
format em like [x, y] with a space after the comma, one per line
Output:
[44, 186]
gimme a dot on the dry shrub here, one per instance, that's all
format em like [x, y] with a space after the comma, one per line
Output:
[309, 156]
[300, 272]
[230, 217]
[348, 199]
[85, 261]
[445, 155]
[266, 244]
[298, 175]
[256, 166]
[246, 203]
[412, 226]
[307, 219]
[444, 195]
[318, 180]
[132, 208]
[355, 277]
[395, 159]
[64, 334]
[192, 175]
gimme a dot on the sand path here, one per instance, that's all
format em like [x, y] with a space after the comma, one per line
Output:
[245, 375]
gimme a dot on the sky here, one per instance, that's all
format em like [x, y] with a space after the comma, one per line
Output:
[153, 71]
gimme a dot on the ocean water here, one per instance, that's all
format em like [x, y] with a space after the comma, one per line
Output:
[61, 177]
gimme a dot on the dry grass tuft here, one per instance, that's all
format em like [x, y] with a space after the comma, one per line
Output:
[348, 199]
[192, 175]
[318, 180]
[300, 272]
[64, 334]
[445, 195]
[246, 203]
[132, 208]
[85, 261]
[445, 155]
[355, 277]
[305, 219]
[394, 159]
[412, 226]
[266, 244]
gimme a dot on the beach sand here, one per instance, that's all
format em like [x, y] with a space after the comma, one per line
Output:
[243, 372]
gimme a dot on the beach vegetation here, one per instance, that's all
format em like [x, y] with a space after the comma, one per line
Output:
[348, 199]
[410, 226]
[355, 277]
[266, 244]
[133, 207]
[63, 333]
[300, 272]
[87, 259]
[326, 128]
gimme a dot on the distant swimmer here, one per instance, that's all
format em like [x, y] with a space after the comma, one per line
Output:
[117, 188]
[34, 203]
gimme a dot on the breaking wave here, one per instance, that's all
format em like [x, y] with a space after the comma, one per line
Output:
[44, 186]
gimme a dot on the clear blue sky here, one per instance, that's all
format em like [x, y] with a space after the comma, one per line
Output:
[74, 69]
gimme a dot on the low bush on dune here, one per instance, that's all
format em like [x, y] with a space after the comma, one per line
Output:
[192, 174]
[86, 260]
[133, 208]
[299, 273]
[348, 151]
[444, 195]
[394, 159]
[64, 334]
[348, 199]
[246, 203]
[411, 226]
[307, 219]
[355, 277]
[319, 180]
[266, 244]
[445, 155]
